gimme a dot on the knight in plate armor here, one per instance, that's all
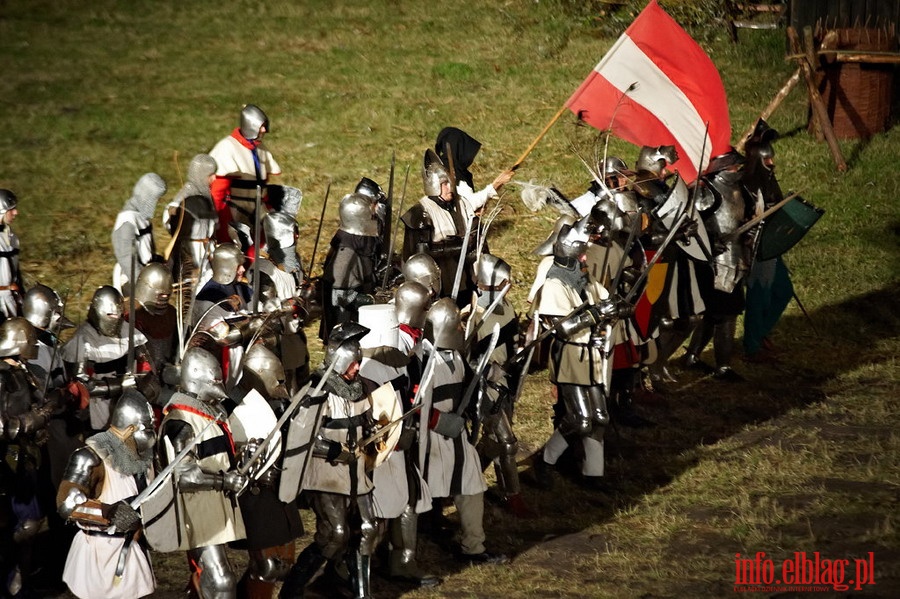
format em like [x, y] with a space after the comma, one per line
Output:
[107, 557]
[243, 166]
[207, 479]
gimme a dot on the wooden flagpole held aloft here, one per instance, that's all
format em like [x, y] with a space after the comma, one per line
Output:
[537, 139]
[775, 103]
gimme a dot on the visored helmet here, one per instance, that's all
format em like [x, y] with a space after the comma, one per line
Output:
[252, 120]
[443, 325]
[42, 307]
[571, 243]
[154, 287]
[759, 149]
[655, 159]
[263, 371]
[18, 338]
[546, 247]
[411, 300]
[226, 260]
[132, 409]
[605, 217]
[433, 173]
[8, 201]
[342, 348]
[201, 375]
[358, 217]
[371, 189]
[422, 269]
[107, 310]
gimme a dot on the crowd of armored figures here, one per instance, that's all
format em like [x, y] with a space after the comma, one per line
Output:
[184, 415]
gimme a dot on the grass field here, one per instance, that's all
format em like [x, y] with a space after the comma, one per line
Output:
[803, 457]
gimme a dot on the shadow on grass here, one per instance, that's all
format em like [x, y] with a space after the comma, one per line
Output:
[698, 411]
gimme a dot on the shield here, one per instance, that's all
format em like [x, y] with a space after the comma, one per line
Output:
[160, 514]
[253, 418]
[298, 446]
[786, 227]
[386, 408]
[677, 202]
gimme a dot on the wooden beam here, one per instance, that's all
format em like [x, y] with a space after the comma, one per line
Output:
[816, 102]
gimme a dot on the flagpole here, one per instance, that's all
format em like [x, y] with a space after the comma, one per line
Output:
[537, 139]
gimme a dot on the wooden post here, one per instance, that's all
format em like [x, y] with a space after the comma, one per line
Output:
[815, 100]
[776, 101]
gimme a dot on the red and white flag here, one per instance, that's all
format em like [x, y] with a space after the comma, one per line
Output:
[655, 87]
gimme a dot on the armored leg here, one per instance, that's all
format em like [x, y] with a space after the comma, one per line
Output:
[370, 527]
[593, 464]
[403, 538]
[359, 574]
[265, 568]
[701, 337]
[625, 381]
[332, 530]
[304, 569]
[723, 341]
[499, 444]
[216, 578]
[667, 342]
[578, 413]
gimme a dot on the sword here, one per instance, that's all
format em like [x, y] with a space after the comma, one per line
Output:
[295, 401]
[145, 494]
[312, 259]
[462, 259]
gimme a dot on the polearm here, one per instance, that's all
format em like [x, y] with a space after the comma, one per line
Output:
[131, 314]
[257, 249]
[390, 254]
[312, 259]
[389, 209]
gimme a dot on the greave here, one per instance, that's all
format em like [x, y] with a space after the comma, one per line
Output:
[359, 567]
[723, 342]
[304, 569]
[508, 475]
[701, 337]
